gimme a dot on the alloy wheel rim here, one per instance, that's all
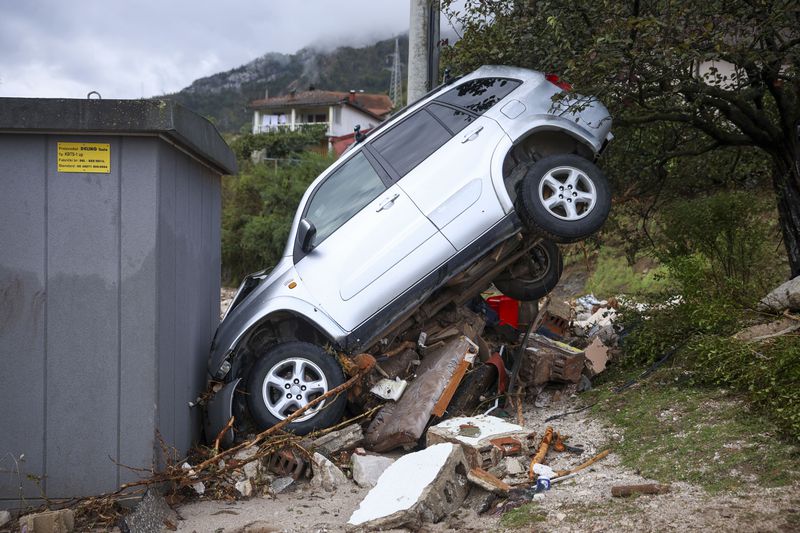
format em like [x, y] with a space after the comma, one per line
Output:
[292, 384]
[567, 193]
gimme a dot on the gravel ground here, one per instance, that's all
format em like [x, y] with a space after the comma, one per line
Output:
[583, 503]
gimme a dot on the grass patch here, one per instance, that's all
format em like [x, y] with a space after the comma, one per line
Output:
[704, 436]
[613, 275]
[615, 507]
[522, 516]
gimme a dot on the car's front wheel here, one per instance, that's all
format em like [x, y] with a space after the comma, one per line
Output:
[533, 275]
[564, 197]
[287, 377]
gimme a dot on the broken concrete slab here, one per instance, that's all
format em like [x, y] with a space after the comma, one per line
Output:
[346, 438]
[327, 475]
[368, 468]
[484, 439]
[785, 296]
[420, 487]
[487, 481]
[152, 515]
[5, 518]
[514, 466]
[402, 423]
[596, 356]
[61, 521]
[761, 332]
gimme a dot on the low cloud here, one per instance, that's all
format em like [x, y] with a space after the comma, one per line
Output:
[138, 49]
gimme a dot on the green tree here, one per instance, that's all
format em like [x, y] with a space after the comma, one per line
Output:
[258, 208]
[711, 80]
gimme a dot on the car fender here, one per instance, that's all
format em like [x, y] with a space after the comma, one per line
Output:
[266, 301]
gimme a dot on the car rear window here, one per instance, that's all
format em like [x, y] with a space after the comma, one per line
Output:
[410, 142]
[455, 119]
[479, 95]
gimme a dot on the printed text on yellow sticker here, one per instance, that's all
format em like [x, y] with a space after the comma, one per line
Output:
[84, 157]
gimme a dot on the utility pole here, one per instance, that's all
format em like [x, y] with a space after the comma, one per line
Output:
[423, 48]
[396, 83]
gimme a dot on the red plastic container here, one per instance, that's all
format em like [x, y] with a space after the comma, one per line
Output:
[507, 308]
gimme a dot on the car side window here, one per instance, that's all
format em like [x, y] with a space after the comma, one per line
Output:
[410, 142]
[343, 194]
[455, 119]
[479, 95]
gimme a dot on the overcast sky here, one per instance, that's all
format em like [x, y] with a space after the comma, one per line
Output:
[136, 48]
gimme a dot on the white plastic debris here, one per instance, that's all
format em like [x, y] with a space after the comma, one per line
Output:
[390, 389]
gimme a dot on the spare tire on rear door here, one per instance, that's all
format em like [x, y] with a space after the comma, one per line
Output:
[533, 275]
[564, 198]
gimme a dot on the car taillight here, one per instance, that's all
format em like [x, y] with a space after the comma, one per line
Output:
[555, 80]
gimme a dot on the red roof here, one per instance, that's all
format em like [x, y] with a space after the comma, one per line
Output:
[375, 104]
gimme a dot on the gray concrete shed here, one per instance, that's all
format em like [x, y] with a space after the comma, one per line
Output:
[109, 287]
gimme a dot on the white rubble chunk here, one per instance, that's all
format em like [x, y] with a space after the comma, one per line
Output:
[420, 487]
[368, 468]
[326, 474]
[786, 296]
[479, 437]
[244, 487]
[389, 389]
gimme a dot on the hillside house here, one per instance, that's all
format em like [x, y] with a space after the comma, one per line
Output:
[340, 112]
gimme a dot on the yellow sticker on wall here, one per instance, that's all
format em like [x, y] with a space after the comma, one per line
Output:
[84, 157]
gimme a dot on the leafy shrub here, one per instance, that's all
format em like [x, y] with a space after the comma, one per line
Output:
[721, 243]
[279, 143]
[720, 258]
[258, 209]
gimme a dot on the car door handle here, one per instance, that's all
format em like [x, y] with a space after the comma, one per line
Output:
[472, 136]
[389, 202]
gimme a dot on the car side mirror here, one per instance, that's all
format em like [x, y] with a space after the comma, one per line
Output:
[306, 233]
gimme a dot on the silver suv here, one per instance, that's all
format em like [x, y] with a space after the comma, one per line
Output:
[471, 185]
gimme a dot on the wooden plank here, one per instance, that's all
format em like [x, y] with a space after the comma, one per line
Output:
[450, 390]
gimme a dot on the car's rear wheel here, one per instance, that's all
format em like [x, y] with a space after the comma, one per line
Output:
[564, 197]
[286, 378]
[534, 275]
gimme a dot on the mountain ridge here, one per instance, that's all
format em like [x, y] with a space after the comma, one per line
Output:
[223, 97]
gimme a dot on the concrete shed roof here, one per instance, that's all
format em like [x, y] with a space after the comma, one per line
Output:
[119, 117]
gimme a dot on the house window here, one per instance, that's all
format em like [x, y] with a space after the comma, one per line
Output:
[320, 118]
[479, 95]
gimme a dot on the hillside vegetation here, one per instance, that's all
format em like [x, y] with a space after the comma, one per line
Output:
[223, 97]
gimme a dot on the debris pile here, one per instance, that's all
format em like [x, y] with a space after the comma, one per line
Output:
[423, 392]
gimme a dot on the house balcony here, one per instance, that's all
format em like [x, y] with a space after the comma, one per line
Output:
[270, 128]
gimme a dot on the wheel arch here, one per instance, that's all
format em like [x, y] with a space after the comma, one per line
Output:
[537, 143]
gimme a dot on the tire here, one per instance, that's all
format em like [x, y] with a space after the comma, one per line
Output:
[533, 276]
[543, 210]
[295, 364]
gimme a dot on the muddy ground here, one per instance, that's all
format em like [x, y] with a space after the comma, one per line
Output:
[583, 503]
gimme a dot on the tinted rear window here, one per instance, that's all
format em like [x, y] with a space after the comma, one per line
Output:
[479, 95]
[455, 119]
[410, 142]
